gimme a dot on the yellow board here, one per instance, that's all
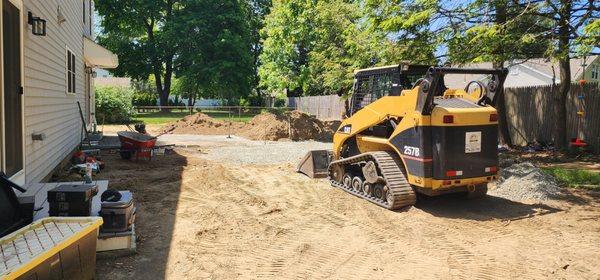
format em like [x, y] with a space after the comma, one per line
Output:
[53, 234]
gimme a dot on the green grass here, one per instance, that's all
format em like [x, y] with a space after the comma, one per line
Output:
[167, 117]
[159, 117]
[576, 178]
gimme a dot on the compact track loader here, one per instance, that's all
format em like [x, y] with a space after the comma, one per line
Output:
[406, 132]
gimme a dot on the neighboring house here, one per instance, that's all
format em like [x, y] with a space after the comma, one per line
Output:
[201, 102]
[103, 78]
[45, 72]
[535, 72]
[112, 82]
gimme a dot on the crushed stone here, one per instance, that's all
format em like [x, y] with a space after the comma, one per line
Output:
[524, 181]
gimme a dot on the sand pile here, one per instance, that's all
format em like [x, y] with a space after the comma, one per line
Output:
[201, 123]
[524, 181]
[293, 125]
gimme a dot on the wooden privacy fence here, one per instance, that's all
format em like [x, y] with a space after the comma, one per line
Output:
[325, 107]
[531, 117]
[529, 112]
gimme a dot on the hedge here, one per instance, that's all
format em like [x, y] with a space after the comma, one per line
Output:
[114, 104]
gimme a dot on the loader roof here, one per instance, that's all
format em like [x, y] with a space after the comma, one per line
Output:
[404, 67]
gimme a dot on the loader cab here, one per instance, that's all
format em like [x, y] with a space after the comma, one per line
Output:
[373, 83]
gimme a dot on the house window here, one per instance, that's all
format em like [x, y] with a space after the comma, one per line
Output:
[595, 71]
[70, 72]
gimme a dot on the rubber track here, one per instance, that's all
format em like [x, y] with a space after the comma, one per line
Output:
[391, 168]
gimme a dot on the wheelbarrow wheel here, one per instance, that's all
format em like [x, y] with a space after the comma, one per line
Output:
[126, 154]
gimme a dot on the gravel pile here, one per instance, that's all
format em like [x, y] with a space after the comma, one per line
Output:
[260, 152]
[239, 150]
[524, 181]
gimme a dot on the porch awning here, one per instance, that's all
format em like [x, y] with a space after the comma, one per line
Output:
[97, 56]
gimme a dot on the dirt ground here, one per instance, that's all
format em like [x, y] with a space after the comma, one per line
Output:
[205, 218]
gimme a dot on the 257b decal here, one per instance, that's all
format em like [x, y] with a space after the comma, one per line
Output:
[412, 151]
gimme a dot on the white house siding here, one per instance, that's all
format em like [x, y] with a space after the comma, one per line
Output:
[48, 108]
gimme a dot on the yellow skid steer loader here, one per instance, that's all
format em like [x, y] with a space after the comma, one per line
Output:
[406, 132]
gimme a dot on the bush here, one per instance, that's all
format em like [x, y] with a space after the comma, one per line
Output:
[279, 102]
[144, 98]
[114, 104]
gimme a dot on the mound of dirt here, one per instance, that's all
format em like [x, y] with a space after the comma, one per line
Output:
[201, 123]
[525, 181]
[293, 125]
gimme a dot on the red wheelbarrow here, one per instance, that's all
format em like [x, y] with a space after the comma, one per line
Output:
[136, 144]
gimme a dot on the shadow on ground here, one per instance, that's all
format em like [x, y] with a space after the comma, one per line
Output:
[156, 186]
[456, 206]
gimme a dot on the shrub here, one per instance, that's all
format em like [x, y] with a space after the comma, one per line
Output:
[114, 104]
[144, 98]
[244, 102]
[279, 102]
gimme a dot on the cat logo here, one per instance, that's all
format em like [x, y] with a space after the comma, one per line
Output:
[347, 129]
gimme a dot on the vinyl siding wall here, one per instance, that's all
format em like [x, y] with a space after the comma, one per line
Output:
[48, 108]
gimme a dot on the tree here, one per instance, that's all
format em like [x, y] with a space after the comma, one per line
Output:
[140, 32]
[572, 22]
[312, 47]
[216, 47]
[288, 38]
[410, 25]
[343, 42]
[259, 9]
[492, 31]
[497, 31]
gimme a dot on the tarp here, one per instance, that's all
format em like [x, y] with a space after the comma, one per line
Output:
[97, 56]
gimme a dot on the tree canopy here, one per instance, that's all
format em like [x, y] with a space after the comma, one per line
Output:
[236, 48]
[207, 41]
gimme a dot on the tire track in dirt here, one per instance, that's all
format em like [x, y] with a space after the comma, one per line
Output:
[265, 221]
[316, 254]
[459, 258]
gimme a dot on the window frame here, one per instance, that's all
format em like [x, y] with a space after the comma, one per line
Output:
[70, 73]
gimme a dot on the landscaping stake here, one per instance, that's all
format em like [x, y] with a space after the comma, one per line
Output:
[229, 136]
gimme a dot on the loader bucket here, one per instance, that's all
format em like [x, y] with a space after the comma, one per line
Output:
[315, 164]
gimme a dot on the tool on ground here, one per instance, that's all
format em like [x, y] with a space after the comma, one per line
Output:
[84, 125]
[407, 133]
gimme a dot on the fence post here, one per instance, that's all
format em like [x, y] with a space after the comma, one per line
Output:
[318, 107]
